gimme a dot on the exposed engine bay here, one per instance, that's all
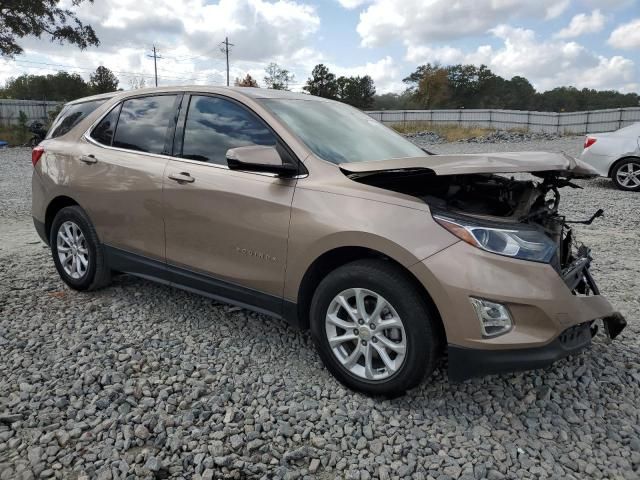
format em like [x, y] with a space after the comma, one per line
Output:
[501, 200]
[505, 203]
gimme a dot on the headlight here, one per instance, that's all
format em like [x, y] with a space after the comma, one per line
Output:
[521, 242]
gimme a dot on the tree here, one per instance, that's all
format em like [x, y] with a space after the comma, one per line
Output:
[394, 101]
[356, 91]
[322, 83]
[277, 78]
[103, 80]
[22, 18]
[61, 86]
[519, 94]
[247, 81]
[433, 89]
[137, 82]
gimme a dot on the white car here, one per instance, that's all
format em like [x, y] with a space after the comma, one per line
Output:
[616, 155]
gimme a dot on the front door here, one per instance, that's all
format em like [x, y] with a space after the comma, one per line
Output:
[226, 231]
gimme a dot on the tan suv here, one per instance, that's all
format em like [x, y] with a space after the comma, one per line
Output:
[307, 209]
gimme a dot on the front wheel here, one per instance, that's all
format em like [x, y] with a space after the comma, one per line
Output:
[626, 175]
[373, 328]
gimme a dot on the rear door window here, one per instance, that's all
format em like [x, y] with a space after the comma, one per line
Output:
[144, 122]
[214, 125]
[71, 115]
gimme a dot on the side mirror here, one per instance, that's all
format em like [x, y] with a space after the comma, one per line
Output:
[259, 158]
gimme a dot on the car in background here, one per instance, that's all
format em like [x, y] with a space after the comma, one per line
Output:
[616, 155]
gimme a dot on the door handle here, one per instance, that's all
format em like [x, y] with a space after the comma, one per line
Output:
[88, 159]
[182, 177]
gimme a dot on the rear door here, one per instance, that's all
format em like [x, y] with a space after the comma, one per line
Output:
[121, 169]
[226, 230]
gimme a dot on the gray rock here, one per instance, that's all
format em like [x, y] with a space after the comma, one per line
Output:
[204, 381]
[153, 464]
[141, 432]
[314, 465]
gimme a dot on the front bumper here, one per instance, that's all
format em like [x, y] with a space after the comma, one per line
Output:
[465, 363]
[540, 302]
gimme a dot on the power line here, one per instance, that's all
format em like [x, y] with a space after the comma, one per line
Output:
[225, 49]
[121, 73]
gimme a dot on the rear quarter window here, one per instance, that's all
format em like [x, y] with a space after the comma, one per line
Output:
[71, 115]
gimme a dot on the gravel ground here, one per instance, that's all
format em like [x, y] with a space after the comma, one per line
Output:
[496, 136]
[140, 380]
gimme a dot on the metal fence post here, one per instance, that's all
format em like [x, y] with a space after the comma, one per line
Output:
[528, 121]
[490, 118]
[586, 126]
[404, 118]
[620, 119]
[558, 123]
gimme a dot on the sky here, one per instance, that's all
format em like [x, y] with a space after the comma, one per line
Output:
[583, 43]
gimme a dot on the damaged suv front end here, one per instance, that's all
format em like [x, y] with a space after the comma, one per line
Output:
[516, 291]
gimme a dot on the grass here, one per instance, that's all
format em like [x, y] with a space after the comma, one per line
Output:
[450, 132]
[14, 134]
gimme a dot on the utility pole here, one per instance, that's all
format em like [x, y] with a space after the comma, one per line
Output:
[155, 56]
[225, 48]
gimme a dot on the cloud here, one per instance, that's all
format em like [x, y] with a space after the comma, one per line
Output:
[626, 35]
[557, 9]
[547, 64]
[582, 24]
[188, 35]
[351, 4]
[416, 22]
[385, 73]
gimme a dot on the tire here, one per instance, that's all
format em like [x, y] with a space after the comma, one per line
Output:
[626, 175]
[374, 280]
[95, 274]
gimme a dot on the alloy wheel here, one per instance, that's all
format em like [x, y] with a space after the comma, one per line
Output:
[366, 334]
[628, 175]
[73, 251]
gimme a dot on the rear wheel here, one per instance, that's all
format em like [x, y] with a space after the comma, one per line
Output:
[373, 329]
[626, 175]
[77, 253]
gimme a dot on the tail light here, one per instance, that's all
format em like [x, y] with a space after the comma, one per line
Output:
[588, 141]
[36, 153]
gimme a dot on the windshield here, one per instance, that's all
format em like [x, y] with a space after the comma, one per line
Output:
[339, 133]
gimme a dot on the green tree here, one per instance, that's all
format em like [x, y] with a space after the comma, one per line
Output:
[21, 18]
[277, 78]
[468, 86]
[61, 86]
[433, 90]
[518, 94]
[356, 91]
[322, 83]
[394, 101]
[103, 81]
[247, 81]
